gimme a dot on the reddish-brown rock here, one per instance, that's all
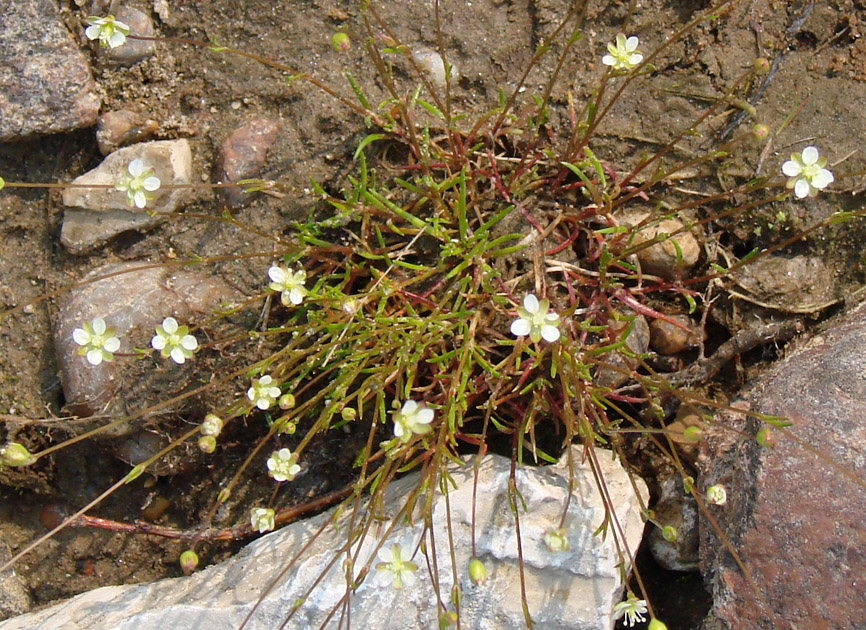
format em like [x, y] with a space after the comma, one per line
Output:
[795, 512]
[242, 156]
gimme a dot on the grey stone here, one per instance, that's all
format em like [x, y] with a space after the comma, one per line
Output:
[795, 511]
[45, 81]
[95, 215]
[573, 590]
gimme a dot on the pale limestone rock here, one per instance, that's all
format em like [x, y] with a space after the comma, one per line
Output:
[94, 215]
[574, 590]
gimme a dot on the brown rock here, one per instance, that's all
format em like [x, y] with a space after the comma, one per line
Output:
[45, 81]
[668, 338]
[242, 156]
[120, 128]
[794, 511]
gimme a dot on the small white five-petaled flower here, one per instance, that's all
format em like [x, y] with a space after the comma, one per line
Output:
[283, 465]
[806, 173]
[262, 519]
[412, 418]
[289, 284]
[534, 320]
[97, 342]
[174, 341]
[633, 609]
[107, 30]
[396, 568]
[623, 55]
[138, 184]
[263, 392]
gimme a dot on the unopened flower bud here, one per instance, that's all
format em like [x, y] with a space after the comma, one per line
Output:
[762, 64]
[287, 401]
[340, 42]
[188, 561]
[655, 624]
[211, 425]
[670, 533]
[15, 454]
[556, 540]
[760, 132]
[766, 438]
[447, 620]
[477, 572]
[693, 434]
[207, 444]
[349, 413]
[717, 495]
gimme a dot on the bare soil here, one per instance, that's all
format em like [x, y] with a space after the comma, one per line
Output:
[819, 57]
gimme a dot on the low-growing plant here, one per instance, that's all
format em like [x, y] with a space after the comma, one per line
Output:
[479, 291]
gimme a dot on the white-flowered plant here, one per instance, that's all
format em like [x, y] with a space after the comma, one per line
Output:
[212, 425]
[283, 465]
[174, 341]
[396, 568]
[138, 184]
[412, 418]
[623, 54]
[97, 341]
[107, 30]
[535, 320]
[290, 284]
[806, 173]
[262, 519]
[633, 609]
[556, 540]
[717, 494]
[263, 392]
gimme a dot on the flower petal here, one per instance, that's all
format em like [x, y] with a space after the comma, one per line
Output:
[98, 326]
[823, 179]
[791, 168]
[809, 155]
[189, 342]
[520, 327]
[530, 303]
[630, 44]
[80, 337]
[801, 188]
[112, 344]
[94, 357]
[550, 333]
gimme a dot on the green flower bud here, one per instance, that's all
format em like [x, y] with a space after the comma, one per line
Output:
[655, 624]
[340, 42]
[15, 454]
[760, 132]
[207, 444]
[762, 64]
[693, 434]
[287, 401]
[477, 572]
[766, 438]
[188, 561]
[349, 413]
[670, 533]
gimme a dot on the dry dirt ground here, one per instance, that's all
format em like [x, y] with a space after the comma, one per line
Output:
[819, 55]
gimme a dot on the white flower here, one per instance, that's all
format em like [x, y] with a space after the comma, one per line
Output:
[806, 173]
[291, 285]
[633, 609]
[396, 568]
[138, 184]
[263, 392]
[534, 320]
[173, 341]
[412, 418]
[717, 495]
[97, 342]
[623, 55]
[107, 30]
[262, 519]
[283, 465]
[556, 540]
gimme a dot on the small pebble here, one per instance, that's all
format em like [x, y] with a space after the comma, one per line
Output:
[121, 128]
[243, 155]
[668, 339]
